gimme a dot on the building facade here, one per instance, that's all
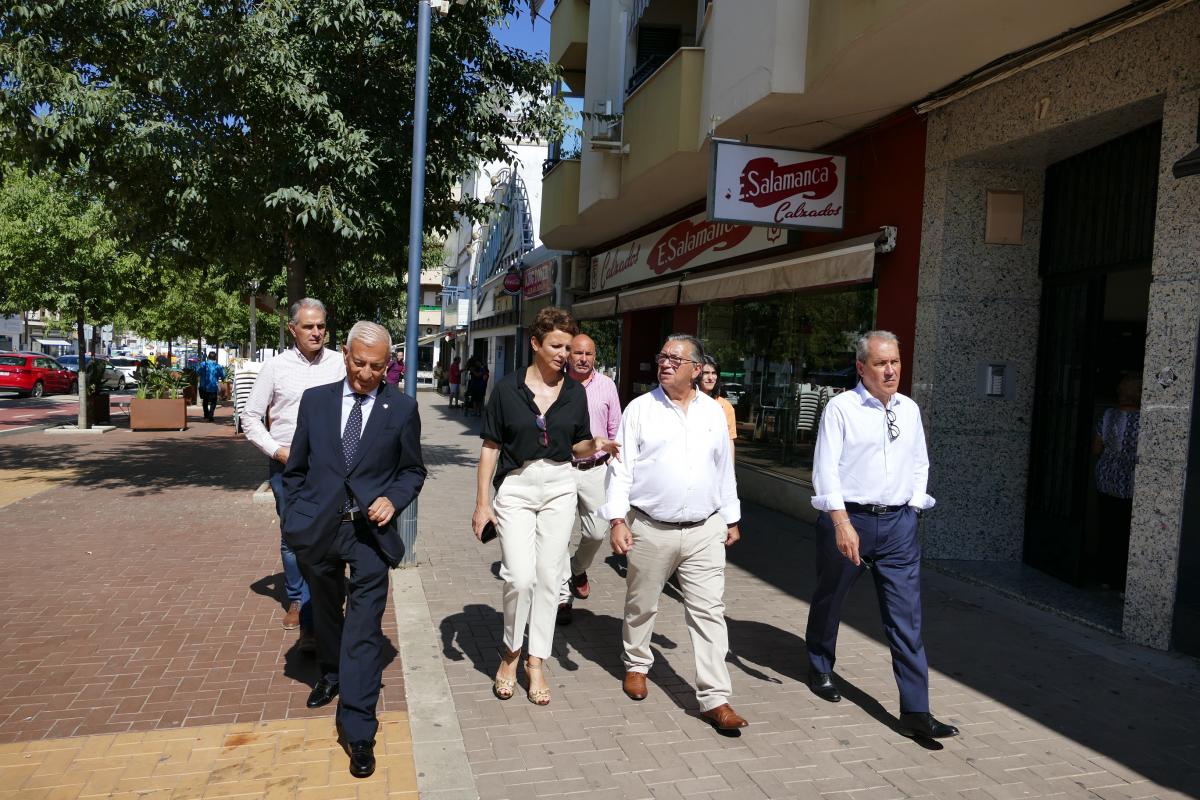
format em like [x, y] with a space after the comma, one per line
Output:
[952, 163]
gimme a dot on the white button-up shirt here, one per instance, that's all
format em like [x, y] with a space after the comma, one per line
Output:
[675, 467]
[857, 461]
[277, 390]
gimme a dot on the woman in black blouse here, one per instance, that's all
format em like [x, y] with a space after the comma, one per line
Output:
[535, 422]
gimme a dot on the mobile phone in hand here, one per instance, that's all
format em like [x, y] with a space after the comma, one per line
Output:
[489, 532]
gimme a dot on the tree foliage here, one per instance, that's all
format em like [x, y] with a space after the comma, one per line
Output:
[260, 135]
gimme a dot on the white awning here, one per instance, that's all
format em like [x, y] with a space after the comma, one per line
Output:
[53, 342]
[650, 297]
[598, 308]
[848, 261]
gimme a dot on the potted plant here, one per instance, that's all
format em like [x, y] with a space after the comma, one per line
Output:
[97, 399]
[158, 404]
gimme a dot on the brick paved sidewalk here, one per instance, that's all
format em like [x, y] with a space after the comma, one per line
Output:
[1046, 707]
[140, 594]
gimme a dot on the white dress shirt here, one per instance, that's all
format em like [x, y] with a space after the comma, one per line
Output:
[857, 461]
[277, 390]
[348, 404]
[675, 467]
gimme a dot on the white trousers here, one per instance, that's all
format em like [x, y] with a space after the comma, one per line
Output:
[697, 555]
[535, 511]
[593, 531]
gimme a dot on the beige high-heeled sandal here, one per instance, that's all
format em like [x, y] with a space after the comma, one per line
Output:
[539, 697]
[504, 688]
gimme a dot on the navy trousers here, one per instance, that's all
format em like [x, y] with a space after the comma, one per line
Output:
[891, 541]
[350, 645]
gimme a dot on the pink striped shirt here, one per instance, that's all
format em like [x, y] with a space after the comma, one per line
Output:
[604, 406]
[277, 389]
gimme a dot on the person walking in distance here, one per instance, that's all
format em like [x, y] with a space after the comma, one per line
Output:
[355, 464]
[209, 375]
[676, 477]
[870, 471]
[276, 394]
[454, 376]
[604, 411]
[535, 424]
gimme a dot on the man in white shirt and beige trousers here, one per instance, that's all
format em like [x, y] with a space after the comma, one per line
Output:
[870, 472]
[675, 483]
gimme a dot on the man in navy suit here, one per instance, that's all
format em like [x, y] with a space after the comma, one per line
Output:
[355, 463]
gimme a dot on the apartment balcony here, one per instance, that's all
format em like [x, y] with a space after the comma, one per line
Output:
[568, 40]
[560, 205]
[429, 315]
[662, 117]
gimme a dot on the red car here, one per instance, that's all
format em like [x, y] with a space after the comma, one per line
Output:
[35, 374]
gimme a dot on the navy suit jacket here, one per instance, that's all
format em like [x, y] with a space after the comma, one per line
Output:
[316, 481]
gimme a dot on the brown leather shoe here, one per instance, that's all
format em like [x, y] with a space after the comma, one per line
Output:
[724, 718]
[291, 620]
[580, 586]
[634, 685]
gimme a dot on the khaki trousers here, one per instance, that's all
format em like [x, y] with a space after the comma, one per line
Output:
[593, 531]
[697, 555]
[535, 511]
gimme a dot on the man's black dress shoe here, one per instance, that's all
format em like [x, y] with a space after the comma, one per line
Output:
[922, 723]
[822, 686]
[322, 694]
[362, 758]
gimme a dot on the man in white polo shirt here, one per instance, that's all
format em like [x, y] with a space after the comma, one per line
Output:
[675, 478]
[276, 393]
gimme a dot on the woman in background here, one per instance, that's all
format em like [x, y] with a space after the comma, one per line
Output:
[710, 384]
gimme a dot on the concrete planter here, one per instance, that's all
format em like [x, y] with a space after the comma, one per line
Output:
[158, 415]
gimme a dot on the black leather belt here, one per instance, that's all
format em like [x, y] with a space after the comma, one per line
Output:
[350, 516]
[586, 465]
[873, 508]
[671, 524]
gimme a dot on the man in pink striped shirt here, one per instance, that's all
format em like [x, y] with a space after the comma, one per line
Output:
[604, 408]
[276, 394]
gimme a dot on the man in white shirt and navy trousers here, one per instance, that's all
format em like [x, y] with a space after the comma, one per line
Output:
[870, 472]
[675, 480]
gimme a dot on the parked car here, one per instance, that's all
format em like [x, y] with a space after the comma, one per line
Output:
[127, 367]
[35, 374]
[113, 378]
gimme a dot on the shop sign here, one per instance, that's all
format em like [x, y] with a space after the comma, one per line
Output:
[776, 186]
[539, 280]
[502, 303]
[512, 280]
[694, 242]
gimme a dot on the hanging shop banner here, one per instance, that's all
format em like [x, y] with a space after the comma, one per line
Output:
[690, 243]
[539, 280]
[776, 186]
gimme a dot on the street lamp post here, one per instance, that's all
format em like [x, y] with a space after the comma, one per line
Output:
[416, 225]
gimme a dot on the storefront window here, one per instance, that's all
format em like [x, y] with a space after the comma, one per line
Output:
[782, 359]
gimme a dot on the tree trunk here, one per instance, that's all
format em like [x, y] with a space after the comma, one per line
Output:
[295, 269]
[83, 423]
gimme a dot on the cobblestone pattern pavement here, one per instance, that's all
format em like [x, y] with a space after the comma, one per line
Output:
[1046, 708]
[140, 591]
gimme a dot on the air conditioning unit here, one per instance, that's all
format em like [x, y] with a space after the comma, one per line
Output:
[579, 274]
[607, 129]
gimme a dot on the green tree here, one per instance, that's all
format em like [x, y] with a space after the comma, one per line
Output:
[61, 252]
[265, 137]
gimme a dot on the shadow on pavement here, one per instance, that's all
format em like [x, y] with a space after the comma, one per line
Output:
[146, 466]
[1022, 659]
[272, 587]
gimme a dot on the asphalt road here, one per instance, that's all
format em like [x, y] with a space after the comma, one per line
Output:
[17, 413]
